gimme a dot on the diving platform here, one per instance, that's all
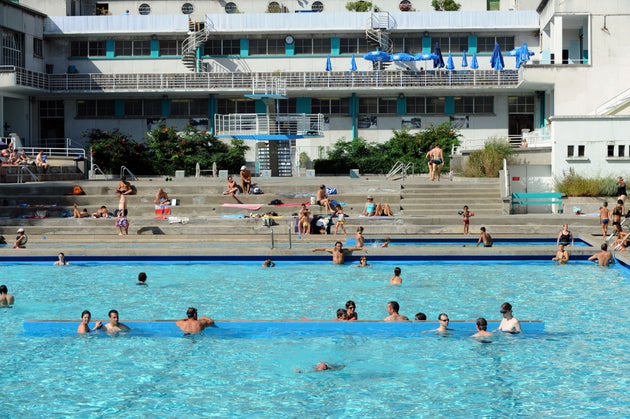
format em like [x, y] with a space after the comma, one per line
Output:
[269, 127]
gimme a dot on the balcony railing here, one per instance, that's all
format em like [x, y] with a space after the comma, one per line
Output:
[247, 82]
[269, 126]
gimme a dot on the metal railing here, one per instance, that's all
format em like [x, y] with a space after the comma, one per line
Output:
[125, 172]
[20, 176]
[243, 83]
[269, 124]
[401, 168]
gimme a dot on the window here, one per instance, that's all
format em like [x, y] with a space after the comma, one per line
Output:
[12, 47]
[267, 46]
[368, 105]
[442, 41]
[458, 44]
[169, 47]
[317, 6]
[230, 106]
[179, 107]
[416, 105]
[152, 107]
[312, 46]
[231, 8]
[570, 150]
[521, 104]
[621, 151]
[95, 108]
[435, 105]
[38, 47]
[139, 108]
[330, 106]
[581, 150]
[133, 107]
[286, 106]
[474, 104]
[219, 47]
[187, 8]
[144, 9]
[132, 48]
[387, 105]
[486, 43]
[353, 46]
[51, 109]
[87, 48]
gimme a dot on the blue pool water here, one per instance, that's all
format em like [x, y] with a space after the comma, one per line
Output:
[577, 367]
[470, 241]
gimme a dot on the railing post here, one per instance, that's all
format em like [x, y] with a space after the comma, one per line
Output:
[272, 238]
[290, 236]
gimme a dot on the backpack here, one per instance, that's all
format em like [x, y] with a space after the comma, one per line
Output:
[276, 202]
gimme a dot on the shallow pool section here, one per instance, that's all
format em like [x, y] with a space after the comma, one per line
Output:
[576, 366]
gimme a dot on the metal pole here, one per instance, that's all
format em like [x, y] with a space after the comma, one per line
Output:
[272, 240]
[290, 228]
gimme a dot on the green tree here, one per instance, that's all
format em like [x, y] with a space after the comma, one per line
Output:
[111, 150]
[445, 5]
[174, 150]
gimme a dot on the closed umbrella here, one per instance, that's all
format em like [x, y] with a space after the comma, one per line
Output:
[353, 64]
[473, 63]
[328, 64]
[496, 61]
[449, 62]
[464, 60]
[438, 61]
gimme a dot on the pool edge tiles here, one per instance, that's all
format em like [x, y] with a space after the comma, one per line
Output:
[280, 328]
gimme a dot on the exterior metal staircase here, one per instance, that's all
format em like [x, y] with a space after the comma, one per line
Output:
[377, 34]
[198, 34]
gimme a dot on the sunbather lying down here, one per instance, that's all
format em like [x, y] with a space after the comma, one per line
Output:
[379, 210]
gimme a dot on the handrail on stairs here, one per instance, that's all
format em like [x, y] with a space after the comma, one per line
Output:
[125, 169]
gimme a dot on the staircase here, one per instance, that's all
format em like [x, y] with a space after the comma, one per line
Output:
[197, 35]
[377, 34]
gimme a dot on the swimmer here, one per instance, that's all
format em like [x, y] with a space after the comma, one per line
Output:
[509, 323]
[342, 315]
[359, 237]
[142, 279]
[396, 279]
[6, 299]
[351, 314]
[603, 257]
[420, 317]
[323, 366]
[386, 242]
[20, 240]
[114, 326]
[84, 326]
[482, 329]
[191, 325]
[363, 262]
[392, 309]
[484, 237]
[268, 263]
[604, 218]
[562, 255]
[61, 260]
[444, 322]
[337, 252]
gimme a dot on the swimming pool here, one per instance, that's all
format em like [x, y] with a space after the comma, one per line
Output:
[577, 367]
[469, 241]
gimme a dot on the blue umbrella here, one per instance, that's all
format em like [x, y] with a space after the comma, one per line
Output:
[474, 64]
[464, 60]
[328, 64]
[425, 56]
[449, 62]
[402, 56]
[438, 61]
[377, 56]
[496, 61]
[353, 64]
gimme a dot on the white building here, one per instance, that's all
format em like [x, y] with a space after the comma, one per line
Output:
[71, 65]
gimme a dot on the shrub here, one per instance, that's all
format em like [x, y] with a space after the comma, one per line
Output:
[573, 184]
[359, 6]
[488, 161]
[111, 150]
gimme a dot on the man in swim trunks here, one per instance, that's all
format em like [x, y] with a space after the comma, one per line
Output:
[396, 279]
[444, 322]
[603, 257]
[604, 217]
[322, 199]
[436, 161]
[484, 237]
[337, 252]
[482, 329]
[392, 309]
[191, 324]
[509, 324]
[114, 326]
[6, 299]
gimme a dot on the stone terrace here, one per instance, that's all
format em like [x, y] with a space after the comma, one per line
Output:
[423, 209]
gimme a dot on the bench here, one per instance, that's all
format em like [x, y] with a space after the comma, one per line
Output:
[538, 198]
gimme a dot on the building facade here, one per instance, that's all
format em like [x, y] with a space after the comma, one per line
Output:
[72, 65]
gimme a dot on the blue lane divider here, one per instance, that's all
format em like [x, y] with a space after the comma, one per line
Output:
[271, 329]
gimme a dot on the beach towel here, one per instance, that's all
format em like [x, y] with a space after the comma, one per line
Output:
[251, 207]
[293, 205]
